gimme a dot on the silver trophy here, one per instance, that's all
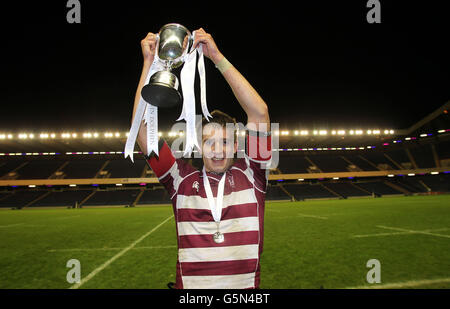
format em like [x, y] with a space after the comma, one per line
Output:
[174, 41]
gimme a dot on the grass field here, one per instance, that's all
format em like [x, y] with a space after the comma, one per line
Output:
[307, 245]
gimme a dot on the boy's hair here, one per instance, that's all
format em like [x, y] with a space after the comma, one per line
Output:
[221, 119]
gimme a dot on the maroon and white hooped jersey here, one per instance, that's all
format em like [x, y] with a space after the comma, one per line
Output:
[202, 263]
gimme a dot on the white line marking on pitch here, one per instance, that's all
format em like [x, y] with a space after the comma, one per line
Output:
[302, 215]
[312, 216]
[67, 217]
[155, 247]
[401, 233]
[108, 249]
[412, 231]
[397, 285]
[118, 255]
[11, 225]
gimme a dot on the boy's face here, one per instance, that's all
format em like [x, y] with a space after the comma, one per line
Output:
[218, 148]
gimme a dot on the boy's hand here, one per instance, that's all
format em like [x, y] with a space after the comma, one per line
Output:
[148, 45]
[210, 49]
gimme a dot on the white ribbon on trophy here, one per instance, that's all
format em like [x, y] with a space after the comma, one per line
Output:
[201, 71]
[187, 84]
[149, 112]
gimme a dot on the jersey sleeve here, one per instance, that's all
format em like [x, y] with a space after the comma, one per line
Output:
[164, 166]
[162, 163]
[169, 170]
[258, 154]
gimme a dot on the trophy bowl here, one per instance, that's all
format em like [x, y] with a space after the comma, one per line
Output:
[174, 40]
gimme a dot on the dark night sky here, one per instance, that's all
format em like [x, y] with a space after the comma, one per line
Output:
[316, 66]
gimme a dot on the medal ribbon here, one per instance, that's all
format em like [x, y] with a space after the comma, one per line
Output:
[216, 207]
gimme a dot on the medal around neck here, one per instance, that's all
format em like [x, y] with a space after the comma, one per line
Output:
[215, 206]
[174, 41]
[218, 237]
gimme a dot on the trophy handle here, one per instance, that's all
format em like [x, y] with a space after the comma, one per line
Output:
[191, 42]
[157, 46]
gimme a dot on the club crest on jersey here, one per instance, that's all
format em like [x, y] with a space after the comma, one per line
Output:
[231, 181]
[195, 185]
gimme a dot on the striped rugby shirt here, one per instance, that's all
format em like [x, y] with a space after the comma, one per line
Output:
[202, 263]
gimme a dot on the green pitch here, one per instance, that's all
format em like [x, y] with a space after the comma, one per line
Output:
[307, 245]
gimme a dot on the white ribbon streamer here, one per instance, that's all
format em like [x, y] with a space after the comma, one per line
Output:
[131, 140]
[187, 77]
[149, 113]
[151, 118]
[202, 73]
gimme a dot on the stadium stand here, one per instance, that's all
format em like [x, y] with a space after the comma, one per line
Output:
[330, 163]
[346, 189]
[443, 149]
[399, 159]
[38, 169]
[293, 164]
[423, 155]
[156, 195]
[275, 192]
[82, 168]
[21, 198]
[9, 167]
[112, 197]
[440, 183]
[415, 160]
[125, 168]
[62, 198]
[378, 188]
[360, 162]
[412, 185]
[309, 191]
[379, 160]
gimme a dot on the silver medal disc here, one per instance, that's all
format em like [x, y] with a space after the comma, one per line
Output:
[218, 237]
